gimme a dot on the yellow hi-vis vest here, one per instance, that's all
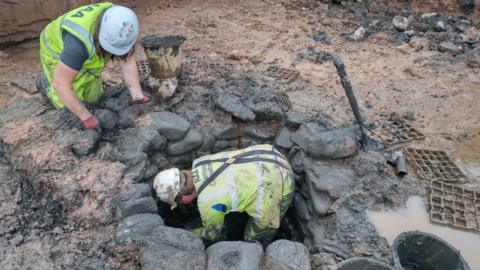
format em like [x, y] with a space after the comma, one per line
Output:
[252, 180]
[79, 22]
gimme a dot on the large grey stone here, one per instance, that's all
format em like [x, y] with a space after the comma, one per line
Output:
[85, 142]
[467, 5]
[448, 46]
[137, 228]
[357, 35]
[168, 124]
[440, 26]
[233, 106]
[400, 23]
[303, 135]
[295, 119]
[256, 132]
[191, 141]
[135, 191]
[296, 157]
[222, 145]
[127, 117]
[173, 249]
[287, 255]
[106, 151]
[159, 160]
[117, 99]
[108, 119]
[208, 143]
[115, 105]
[136, 173]
[324, 261]
[227, 132]
[234, 255]
[301, 207]
[267, 104]
[131, 157]
[139, 206]
[334, 144]
[320, 201]
[330, 178]
[140, 139]
[154, 141]
[150, 171]
[283, 139]
[326, 183]
[245, 142]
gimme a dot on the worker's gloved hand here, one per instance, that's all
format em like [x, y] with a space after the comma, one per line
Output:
[91, 123]
[141, 100]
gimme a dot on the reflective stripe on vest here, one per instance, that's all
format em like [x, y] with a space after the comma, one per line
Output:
[44, 40]
[238, 159]
[86, 36]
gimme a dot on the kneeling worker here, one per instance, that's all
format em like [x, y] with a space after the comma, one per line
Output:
[74, 50]
[256, 180]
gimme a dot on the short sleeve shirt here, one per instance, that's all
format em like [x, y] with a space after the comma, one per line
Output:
[74, 52]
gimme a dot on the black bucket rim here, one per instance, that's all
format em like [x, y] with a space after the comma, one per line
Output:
[158, 41]
[396, 259]
[367, 259]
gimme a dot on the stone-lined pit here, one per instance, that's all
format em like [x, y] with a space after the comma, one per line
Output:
[104, 178]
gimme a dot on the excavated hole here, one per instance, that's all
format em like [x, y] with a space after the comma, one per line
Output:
[188, 217]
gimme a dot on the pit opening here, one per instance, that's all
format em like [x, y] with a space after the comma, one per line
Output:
[187, 217]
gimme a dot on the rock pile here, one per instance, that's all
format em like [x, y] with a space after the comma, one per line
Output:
[154, 140]
[118, 163]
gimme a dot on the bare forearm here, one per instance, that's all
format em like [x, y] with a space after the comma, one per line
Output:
[62, 83]
[131, 77]
[71, 101]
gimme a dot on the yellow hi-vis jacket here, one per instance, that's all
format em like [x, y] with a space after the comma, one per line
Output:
[252, 180]
[80, 23]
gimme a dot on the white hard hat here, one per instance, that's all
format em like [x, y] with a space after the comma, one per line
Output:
[167, 185]
[118, 30]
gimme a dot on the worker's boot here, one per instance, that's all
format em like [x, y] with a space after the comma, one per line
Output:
[43, 85]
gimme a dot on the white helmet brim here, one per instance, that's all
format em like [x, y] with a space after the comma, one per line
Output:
[167, 184]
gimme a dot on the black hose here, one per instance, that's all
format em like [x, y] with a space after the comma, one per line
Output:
[350, 95]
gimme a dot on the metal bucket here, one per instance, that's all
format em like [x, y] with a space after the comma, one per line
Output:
[164, 55]
[419, 250]
[360, 263]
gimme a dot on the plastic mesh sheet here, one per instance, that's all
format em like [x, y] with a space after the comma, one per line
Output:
[282, 75]
[454, 205]
[435, 165]
[392, 133]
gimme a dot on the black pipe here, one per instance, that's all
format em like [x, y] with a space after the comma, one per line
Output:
[401, 166]
[350, 95]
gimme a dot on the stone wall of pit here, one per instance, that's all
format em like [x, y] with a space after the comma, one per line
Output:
[102, 178]
[152, 140]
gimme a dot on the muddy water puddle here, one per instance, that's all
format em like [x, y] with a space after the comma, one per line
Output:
[390, 224]
[467, 152]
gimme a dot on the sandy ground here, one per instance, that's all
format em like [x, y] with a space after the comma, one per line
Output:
[438, 89]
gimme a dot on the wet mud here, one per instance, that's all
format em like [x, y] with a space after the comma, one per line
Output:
[247, 75]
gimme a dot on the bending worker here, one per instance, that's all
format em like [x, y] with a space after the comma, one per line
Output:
[256, 180]
[75, 48]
